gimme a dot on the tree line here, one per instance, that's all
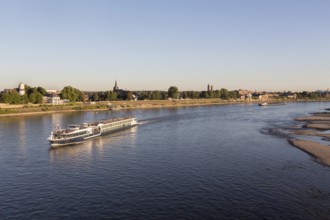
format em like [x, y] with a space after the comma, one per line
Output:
[33, 95]
[36, 95]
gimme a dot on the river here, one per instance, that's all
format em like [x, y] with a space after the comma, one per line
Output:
[207, 162]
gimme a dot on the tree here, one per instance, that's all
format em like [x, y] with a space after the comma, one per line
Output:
[72, 94]
[155, 95]
[31, 90]
[24, 99]
[95, 97]
[129, 95]
[11, 97]
[36, 97]
[42, 91]
[173, 92]
[204, 95]
[27, 88]
[224, 93]
[111, 96]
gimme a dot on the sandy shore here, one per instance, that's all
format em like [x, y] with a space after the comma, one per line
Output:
[317, 121]
[318, 126]
[319, 151]
[313, 118]
[310, 133]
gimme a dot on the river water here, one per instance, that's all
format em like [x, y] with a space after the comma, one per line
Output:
[217, 162]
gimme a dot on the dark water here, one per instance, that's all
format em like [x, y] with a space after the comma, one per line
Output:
[215, 162]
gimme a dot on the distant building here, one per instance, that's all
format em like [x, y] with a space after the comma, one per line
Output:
[52, 91]
[209, 88]
[115, 88]
[55, 100]
[21, 89]
[294, 96]
[244, 92]
[120, 92]
[249, 96]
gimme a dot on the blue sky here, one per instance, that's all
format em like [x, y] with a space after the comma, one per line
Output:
[154, 44]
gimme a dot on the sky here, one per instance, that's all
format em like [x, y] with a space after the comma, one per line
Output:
[154, 44]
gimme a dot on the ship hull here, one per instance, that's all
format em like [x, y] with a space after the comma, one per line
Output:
[72, 141]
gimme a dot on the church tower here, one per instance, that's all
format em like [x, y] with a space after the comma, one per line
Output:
[115, 88]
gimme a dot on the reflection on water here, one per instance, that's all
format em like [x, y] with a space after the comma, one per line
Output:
[56, 121]
[97, 144]
[22, 133]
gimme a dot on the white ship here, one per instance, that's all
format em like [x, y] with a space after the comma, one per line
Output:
[75, 134]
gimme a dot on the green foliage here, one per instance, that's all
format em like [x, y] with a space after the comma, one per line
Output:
[72, 94]
[36, 97]
[27, 88]
[24, 99]
[11, 97]
[42, 91]
[156, 95]
[7, 111]
[204, 95]
[95, 96]
[111, 96]
[31, 90]
[173, 92]
[224, 93]
[128, 95]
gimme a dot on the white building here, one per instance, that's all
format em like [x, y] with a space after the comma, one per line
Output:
[55, 100]
[52, 91]
[21, 89]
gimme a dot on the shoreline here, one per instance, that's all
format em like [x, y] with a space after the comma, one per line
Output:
[140, 105]
[313, 124]
[22, 110]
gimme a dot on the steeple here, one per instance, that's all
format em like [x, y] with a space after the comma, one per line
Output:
[115, 88]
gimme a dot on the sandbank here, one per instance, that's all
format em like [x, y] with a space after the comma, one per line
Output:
[319, 151]
[310, 133]
[318, 126]
[313, 118]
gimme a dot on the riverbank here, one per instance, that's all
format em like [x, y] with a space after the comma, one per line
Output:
[315, 125]
[35, 109]
[12, 110]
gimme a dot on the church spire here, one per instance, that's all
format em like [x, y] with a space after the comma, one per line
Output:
[115, 88]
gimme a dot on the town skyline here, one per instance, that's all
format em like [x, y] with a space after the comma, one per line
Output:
[149, 45]
[208, 87]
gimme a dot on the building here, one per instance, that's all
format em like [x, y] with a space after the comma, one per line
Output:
[209, 88]
[53, 91]
[120, 92]
[244, 92]
[115, 88]
[55, 100]
[21, 89]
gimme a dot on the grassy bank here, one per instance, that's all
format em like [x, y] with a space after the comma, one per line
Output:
[8, 110]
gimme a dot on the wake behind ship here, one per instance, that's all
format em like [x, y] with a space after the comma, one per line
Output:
[75, 134]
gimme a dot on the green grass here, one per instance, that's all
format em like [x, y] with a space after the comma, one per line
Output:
[7, 111]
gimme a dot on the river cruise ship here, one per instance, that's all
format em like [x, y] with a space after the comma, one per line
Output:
[75, 134]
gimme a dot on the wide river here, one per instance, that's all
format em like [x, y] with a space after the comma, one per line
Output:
[209, 162]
